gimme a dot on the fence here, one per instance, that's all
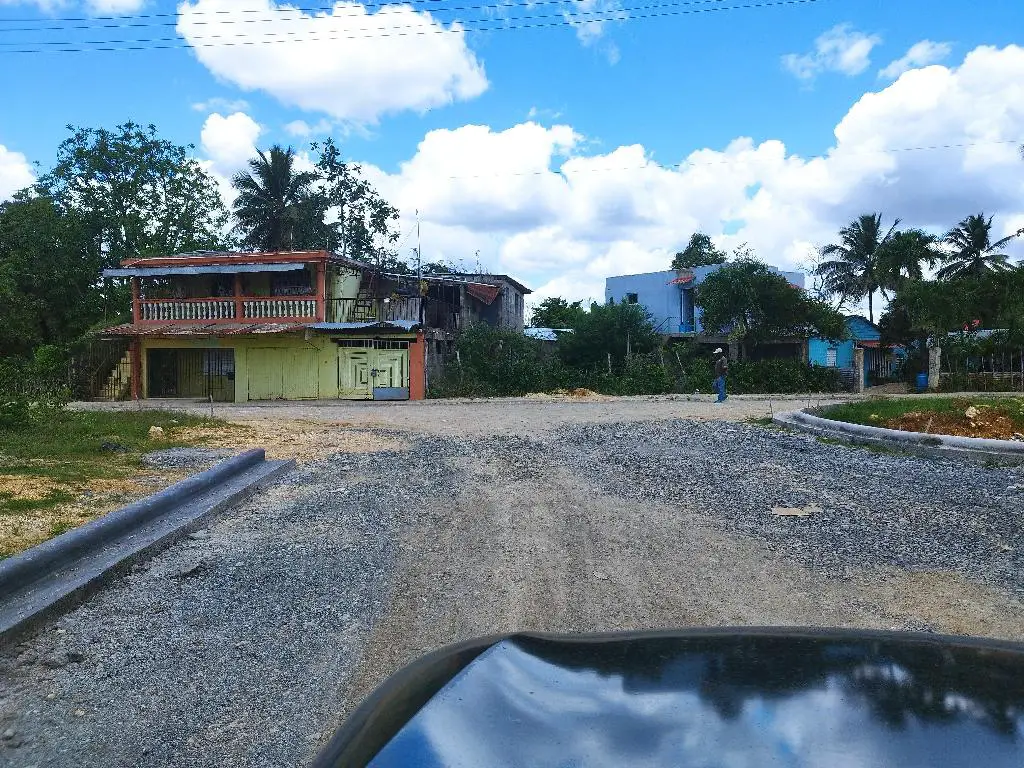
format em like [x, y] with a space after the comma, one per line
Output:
[998, 371]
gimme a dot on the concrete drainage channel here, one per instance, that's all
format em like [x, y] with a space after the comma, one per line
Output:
[56, 574]
[919, 443]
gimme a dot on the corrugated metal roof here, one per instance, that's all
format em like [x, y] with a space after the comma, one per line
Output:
[486, 293]
[545, 334]
[202, 329]
[405, 325]
[202, 269]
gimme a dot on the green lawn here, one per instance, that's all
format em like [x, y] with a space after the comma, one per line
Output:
[941, 411]
[60, 462]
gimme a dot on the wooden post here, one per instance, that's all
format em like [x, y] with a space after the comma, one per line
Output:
[135, 300]
[417, 368]
[135, 347]
[934, 367]
[321, 291]
[858, 369]
[239, 308]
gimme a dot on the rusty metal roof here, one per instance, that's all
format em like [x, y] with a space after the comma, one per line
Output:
[202, 329]
[486, 293]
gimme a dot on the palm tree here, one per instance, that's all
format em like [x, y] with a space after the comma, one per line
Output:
[974, 254]
[904, 257]
[852, 268]
[276, 207]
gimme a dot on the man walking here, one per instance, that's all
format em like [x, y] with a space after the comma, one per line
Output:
[721, 369]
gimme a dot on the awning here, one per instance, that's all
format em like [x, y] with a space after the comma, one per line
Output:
[486, 293]
[204, 269]
[681, 280]
[204, 329]
[404, 325]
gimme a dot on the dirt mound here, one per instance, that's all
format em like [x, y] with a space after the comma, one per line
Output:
[975, 421]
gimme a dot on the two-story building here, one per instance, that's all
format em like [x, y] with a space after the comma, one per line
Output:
[293, 325]
[669, 296]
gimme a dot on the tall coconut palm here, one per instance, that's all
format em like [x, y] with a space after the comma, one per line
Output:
[852, 268]
[905, 256]
[276, 208]
[973, 252]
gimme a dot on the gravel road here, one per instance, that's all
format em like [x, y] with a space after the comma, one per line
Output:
[248, 643]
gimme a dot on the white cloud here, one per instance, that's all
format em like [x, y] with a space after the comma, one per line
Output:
[920, 55]
[590, 19]
[302, 129]
[15, 172]
[219, 104]
[351, 64]
[114, 7]
[229, 142]
[535, 206]
[841, 49]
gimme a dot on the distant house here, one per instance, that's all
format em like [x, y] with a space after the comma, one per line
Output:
[879, 363]
[546, 334]
[294, 325]
[669, 296]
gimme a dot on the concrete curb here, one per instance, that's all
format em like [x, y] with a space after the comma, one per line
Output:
[51, 576]
[920, 443]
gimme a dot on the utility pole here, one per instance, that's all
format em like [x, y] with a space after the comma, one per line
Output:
[419, 265]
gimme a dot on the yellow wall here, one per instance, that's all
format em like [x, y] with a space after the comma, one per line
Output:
[298, 367]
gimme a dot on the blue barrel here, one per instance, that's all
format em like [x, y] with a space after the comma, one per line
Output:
[922, 382]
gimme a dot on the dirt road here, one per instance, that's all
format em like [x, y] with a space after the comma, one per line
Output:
[249, 645]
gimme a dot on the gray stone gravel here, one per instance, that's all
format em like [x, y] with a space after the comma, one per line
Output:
[237, 646]
[876, 508]
[186, 458]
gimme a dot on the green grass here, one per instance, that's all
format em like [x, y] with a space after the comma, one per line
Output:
[886, 409]
[66, 447]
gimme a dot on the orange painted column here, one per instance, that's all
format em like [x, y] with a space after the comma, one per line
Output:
[321, 292]
[136, 353]
[417, 368]
[135, 299]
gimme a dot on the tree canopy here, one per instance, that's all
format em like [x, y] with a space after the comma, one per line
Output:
[135, 193]
[276, 208]
[556, 312]
[612, 329]
[973, 253]
[853, 268]
[699, 252]
[754, 304]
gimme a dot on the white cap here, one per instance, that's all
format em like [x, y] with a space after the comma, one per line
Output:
[718, 351]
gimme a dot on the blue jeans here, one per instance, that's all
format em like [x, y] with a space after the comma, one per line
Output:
[720, 388]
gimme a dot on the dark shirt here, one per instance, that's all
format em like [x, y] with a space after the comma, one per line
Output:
[721, 366]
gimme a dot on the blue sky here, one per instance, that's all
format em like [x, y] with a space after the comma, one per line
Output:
[560, 97]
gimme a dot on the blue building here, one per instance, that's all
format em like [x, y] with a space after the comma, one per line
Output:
[668, 295]
[879, 363]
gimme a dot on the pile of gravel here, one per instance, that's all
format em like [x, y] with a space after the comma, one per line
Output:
[186, 458]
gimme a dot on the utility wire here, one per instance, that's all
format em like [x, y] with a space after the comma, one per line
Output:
[270, 15]
[601, 16]
[118, 45]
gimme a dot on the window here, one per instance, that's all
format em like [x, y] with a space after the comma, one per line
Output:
[830, 357]
[632, 298]
[295, 283]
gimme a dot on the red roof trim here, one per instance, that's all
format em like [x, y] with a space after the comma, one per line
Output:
[262, 257]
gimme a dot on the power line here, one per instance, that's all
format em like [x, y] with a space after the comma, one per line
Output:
[696, 164]
[601, 15]
[118, 45]
[127, 22]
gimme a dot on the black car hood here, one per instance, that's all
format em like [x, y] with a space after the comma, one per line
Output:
[706, 699]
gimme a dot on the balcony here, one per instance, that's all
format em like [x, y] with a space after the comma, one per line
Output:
[367, 310]
[227, 310]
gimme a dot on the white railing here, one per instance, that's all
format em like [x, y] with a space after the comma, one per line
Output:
[266, 308]
[197, 309]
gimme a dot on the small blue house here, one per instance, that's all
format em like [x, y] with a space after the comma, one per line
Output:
[668, 295]
[879, 363]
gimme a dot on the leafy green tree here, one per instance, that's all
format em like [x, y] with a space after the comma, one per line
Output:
[853, 267]
[973, 252]
[49, 275]
[699, 252]
[556, 312]
[618, 330]
[137, 194]
[753, 304]
[905, 257]
[360, 221]
[277, 208]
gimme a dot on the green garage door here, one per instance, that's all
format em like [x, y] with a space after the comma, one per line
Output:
[277, 373]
